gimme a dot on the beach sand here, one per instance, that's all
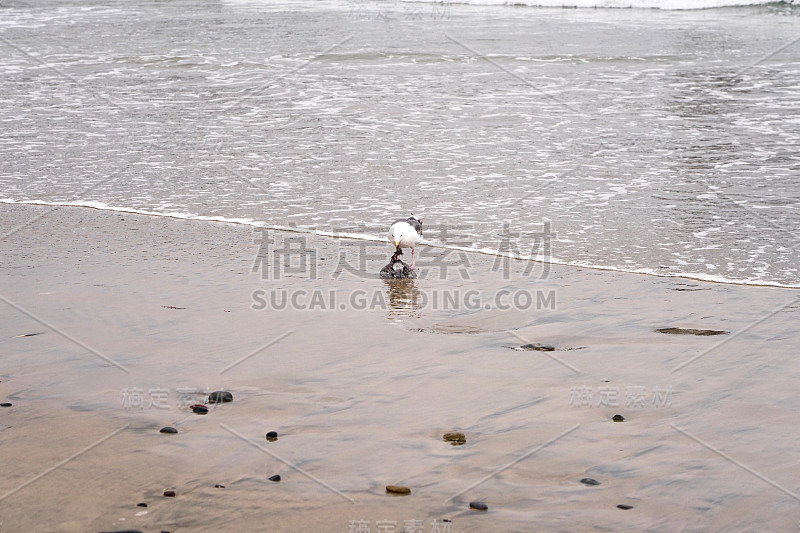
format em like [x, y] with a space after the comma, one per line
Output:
[133, 318]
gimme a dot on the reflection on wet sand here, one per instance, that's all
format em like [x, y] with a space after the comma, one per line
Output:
[404, 298]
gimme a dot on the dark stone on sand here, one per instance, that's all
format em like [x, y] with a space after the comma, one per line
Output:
[624, 506]
[169, 493]
[589, 481]
[478, 506]
[690, 331]
[398, 489]
[218, 486]
[275, 478]
[455, 438]
[200, 409]
[397, 269]
[272, 436]
[5, 404]
[141, 504]
[168, 429]
[538, 347]
[220, 396]
[618, 418]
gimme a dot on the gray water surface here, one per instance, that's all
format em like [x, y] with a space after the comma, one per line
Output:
[653, 141]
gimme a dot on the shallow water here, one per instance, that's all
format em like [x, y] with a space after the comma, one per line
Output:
[361, 401]
[655, 141]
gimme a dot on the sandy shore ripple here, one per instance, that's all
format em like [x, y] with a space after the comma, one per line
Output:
[114, 324]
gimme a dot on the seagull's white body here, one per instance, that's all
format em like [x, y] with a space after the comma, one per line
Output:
[406, 234]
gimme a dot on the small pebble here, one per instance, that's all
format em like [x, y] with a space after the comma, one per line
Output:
[691, 331]
[200, 409]
[398, 489]
[5, 404]
[538, 347]
[624, 506]
[275, 478]
[478, 506]
[220, 396]
[589, 481]
[141, 504]
[456, 439]
[618, 418]
[218, 486]
[272, 436]
[168, 429]
[169, 493]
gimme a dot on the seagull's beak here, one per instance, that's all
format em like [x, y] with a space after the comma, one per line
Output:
[396, 244]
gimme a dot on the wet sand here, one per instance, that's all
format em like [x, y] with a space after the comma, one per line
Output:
[361, 395]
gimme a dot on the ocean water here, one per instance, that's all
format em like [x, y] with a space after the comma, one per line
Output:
[660, 139]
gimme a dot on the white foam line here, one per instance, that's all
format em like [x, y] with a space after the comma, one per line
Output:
[364, 237]
[677, 5]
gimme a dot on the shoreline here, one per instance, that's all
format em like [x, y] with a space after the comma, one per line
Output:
[361, 398]
[99, 206]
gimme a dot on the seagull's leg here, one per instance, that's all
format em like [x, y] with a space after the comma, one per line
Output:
[412, 260]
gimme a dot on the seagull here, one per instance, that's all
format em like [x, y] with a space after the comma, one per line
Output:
[406, 233]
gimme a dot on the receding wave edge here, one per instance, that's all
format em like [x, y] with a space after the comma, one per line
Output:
[365, 237]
